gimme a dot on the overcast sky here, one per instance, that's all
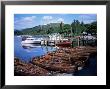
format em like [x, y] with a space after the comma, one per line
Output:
[22, 21]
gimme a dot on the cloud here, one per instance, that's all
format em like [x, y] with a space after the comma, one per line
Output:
[60, 20]
[84, 17]
[31, 18]
[24, 22]
[47, 17]
[50, 19]
[88, 18]
[88, 21]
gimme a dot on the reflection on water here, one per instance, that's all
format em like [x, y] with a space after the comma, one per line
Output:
[30, 46]
[27, 51]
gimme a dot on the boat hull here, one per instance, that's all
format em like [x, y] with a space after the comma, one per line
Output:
[64, 44]
[31, 42]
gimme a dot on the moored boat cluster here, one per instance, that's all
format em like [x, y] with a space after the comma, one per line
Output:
[63, 60]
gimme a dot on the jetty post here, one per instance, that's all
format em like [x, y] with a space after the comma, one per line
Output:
[78, 41]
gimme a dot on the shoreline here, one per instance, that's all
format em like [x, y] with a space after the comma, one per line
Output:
[63, 60]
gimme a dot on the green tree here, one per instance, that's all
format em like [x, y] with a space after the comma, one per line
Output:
[76, 27]
[91, 28]
[73, 25]
[17, 32]
[66, 29]
[61, 28]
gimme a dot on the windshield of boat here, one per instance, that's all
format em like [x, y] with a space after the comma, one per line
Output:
[31, 38]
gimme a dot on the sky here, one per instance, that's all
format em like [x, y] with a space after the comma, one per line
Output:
[22, 21]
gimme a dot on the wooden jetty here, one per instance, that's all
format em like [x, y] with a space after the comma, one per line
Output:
[64, 60]
[28, 69]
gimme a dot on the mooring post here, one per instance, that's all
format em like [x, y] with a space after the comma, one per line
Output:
[78, 42]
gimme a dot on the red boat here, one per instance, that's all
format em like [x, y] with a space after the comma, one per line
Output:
[64, 44]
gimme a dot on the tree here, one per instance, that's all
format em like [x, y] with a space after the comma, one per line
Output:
[91, 28]
[76, 27]
[66, 29]
[50, 30]
[61, 28]
[17, 32]
[73, 26]
[83, 28]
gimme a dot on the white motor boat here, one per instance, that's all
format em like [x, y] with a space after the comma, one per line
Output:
[31, 41]
[88, 37]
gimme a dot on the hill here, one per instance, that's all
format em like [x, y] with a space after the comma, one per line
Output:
[76, 28]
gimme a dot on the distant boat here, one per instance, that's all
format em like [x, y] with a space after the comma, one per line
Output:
[88, 37]
[56, 38]
[31, 41]
[64, 44]
[51, 43]
[24, 37]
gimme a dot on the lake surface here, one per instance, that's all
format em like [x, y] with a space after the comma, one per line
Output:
[28, 51]
[90, 69]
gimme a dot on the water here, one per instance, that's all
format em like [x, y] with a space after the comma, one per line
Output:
[90, 69]
[28, 51]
